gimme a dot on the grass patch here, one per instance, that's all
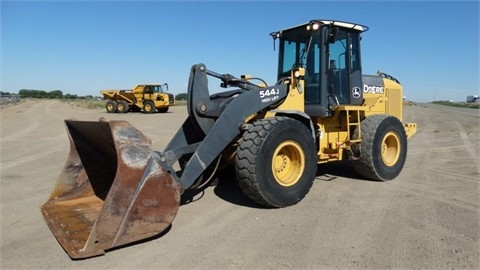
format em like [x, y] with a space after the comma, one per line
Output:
[99, 104]
[181, 103]
[458, 104]
[85, 103]
[409, 103]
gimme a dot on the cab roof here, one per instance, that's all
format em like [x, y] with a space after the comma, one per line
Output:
[356, 26]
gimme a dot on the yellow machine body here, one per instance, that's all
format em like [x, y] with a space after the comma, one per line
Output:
[335, 131]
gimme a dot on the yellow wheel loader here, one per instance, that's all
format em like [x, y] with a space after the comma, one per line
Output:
[114, 189]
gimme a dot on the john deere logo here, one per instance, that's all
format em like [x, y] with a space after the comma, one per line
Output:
[373, 89]
[356, 92]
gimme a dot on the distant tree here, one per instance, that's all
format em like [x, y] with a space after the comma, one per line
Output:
[55, 94]
[26, 93]
[182, 96]
[69, 96]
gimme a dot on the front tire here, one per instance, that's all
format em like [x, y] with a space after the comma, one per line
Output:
[149, 107]
[383, 150]
[276, 161]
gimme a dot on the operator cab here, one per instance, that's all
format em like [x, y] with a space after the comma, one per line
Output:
[329, 51]
[156, 88]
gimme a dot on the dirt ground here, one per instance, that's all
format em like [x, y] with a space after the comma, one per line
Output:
[426, 218]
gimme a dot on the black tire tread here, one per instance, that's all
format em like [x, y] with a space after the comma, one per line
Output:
[246, 154]
[112, 103]
[152, 105]
[365, 165]
[124, 104]
[246, 161]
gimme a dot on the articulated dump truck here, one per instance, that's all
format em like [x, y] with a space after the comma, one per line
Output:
[148, 98]
[115, 189]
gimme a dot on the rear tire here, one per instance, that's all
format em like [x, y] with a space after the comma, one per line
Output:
[276, 161]
[111, 106]
[149, 107]
[383, 150]
[122, 106]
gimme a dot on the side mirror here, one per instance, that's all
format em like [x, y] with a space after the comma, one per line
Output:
[332, 35]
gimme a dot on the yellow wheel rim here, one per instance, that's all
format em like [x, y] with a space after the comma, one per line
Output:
[288, 163]
[120, 107]
[148, 108]
[110, 107]
[390, 148]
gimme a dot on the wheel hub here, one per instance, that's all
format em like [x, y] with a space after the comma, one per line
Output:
[390, 149]
[288, 163]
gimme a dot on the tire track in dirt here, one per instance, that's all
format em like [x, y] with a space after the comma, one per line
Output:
[444, 180]
[426, 218]
[35, 114]
[469, 145]
[198, 228]
[27, 121]
[419, 189]
[6, 165]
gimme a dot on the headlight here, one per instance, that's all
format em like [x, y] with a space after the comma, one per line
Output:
[296, 74]
[314, 26]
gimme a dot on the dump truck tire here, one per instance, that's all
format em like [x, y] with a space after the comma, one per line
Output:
[276, 161]
[383, 150]
[111, 106]
[122, 106]
[149, 107]
[163, 110]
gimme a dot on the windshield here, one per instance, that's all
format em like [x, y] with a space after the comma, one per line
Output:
[156, 88]
[297, 49]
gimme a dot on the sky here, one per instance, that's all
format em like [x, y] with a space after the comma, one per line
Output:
[82, 47]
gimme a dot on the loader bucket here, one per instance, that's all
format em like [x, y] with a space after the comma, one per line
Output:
[112, 190]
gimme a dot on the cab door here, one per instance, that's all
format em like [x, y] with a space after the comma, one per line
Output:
[344, 73]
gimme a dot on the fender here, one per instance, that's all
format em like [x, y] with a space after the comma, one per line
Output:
[300, 116]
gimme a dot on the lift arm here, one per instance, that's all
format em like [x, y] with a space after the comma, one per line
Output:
[215, 120]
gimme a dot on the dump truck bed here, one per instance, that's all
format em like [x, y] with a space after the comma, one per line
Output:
[126, 95]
